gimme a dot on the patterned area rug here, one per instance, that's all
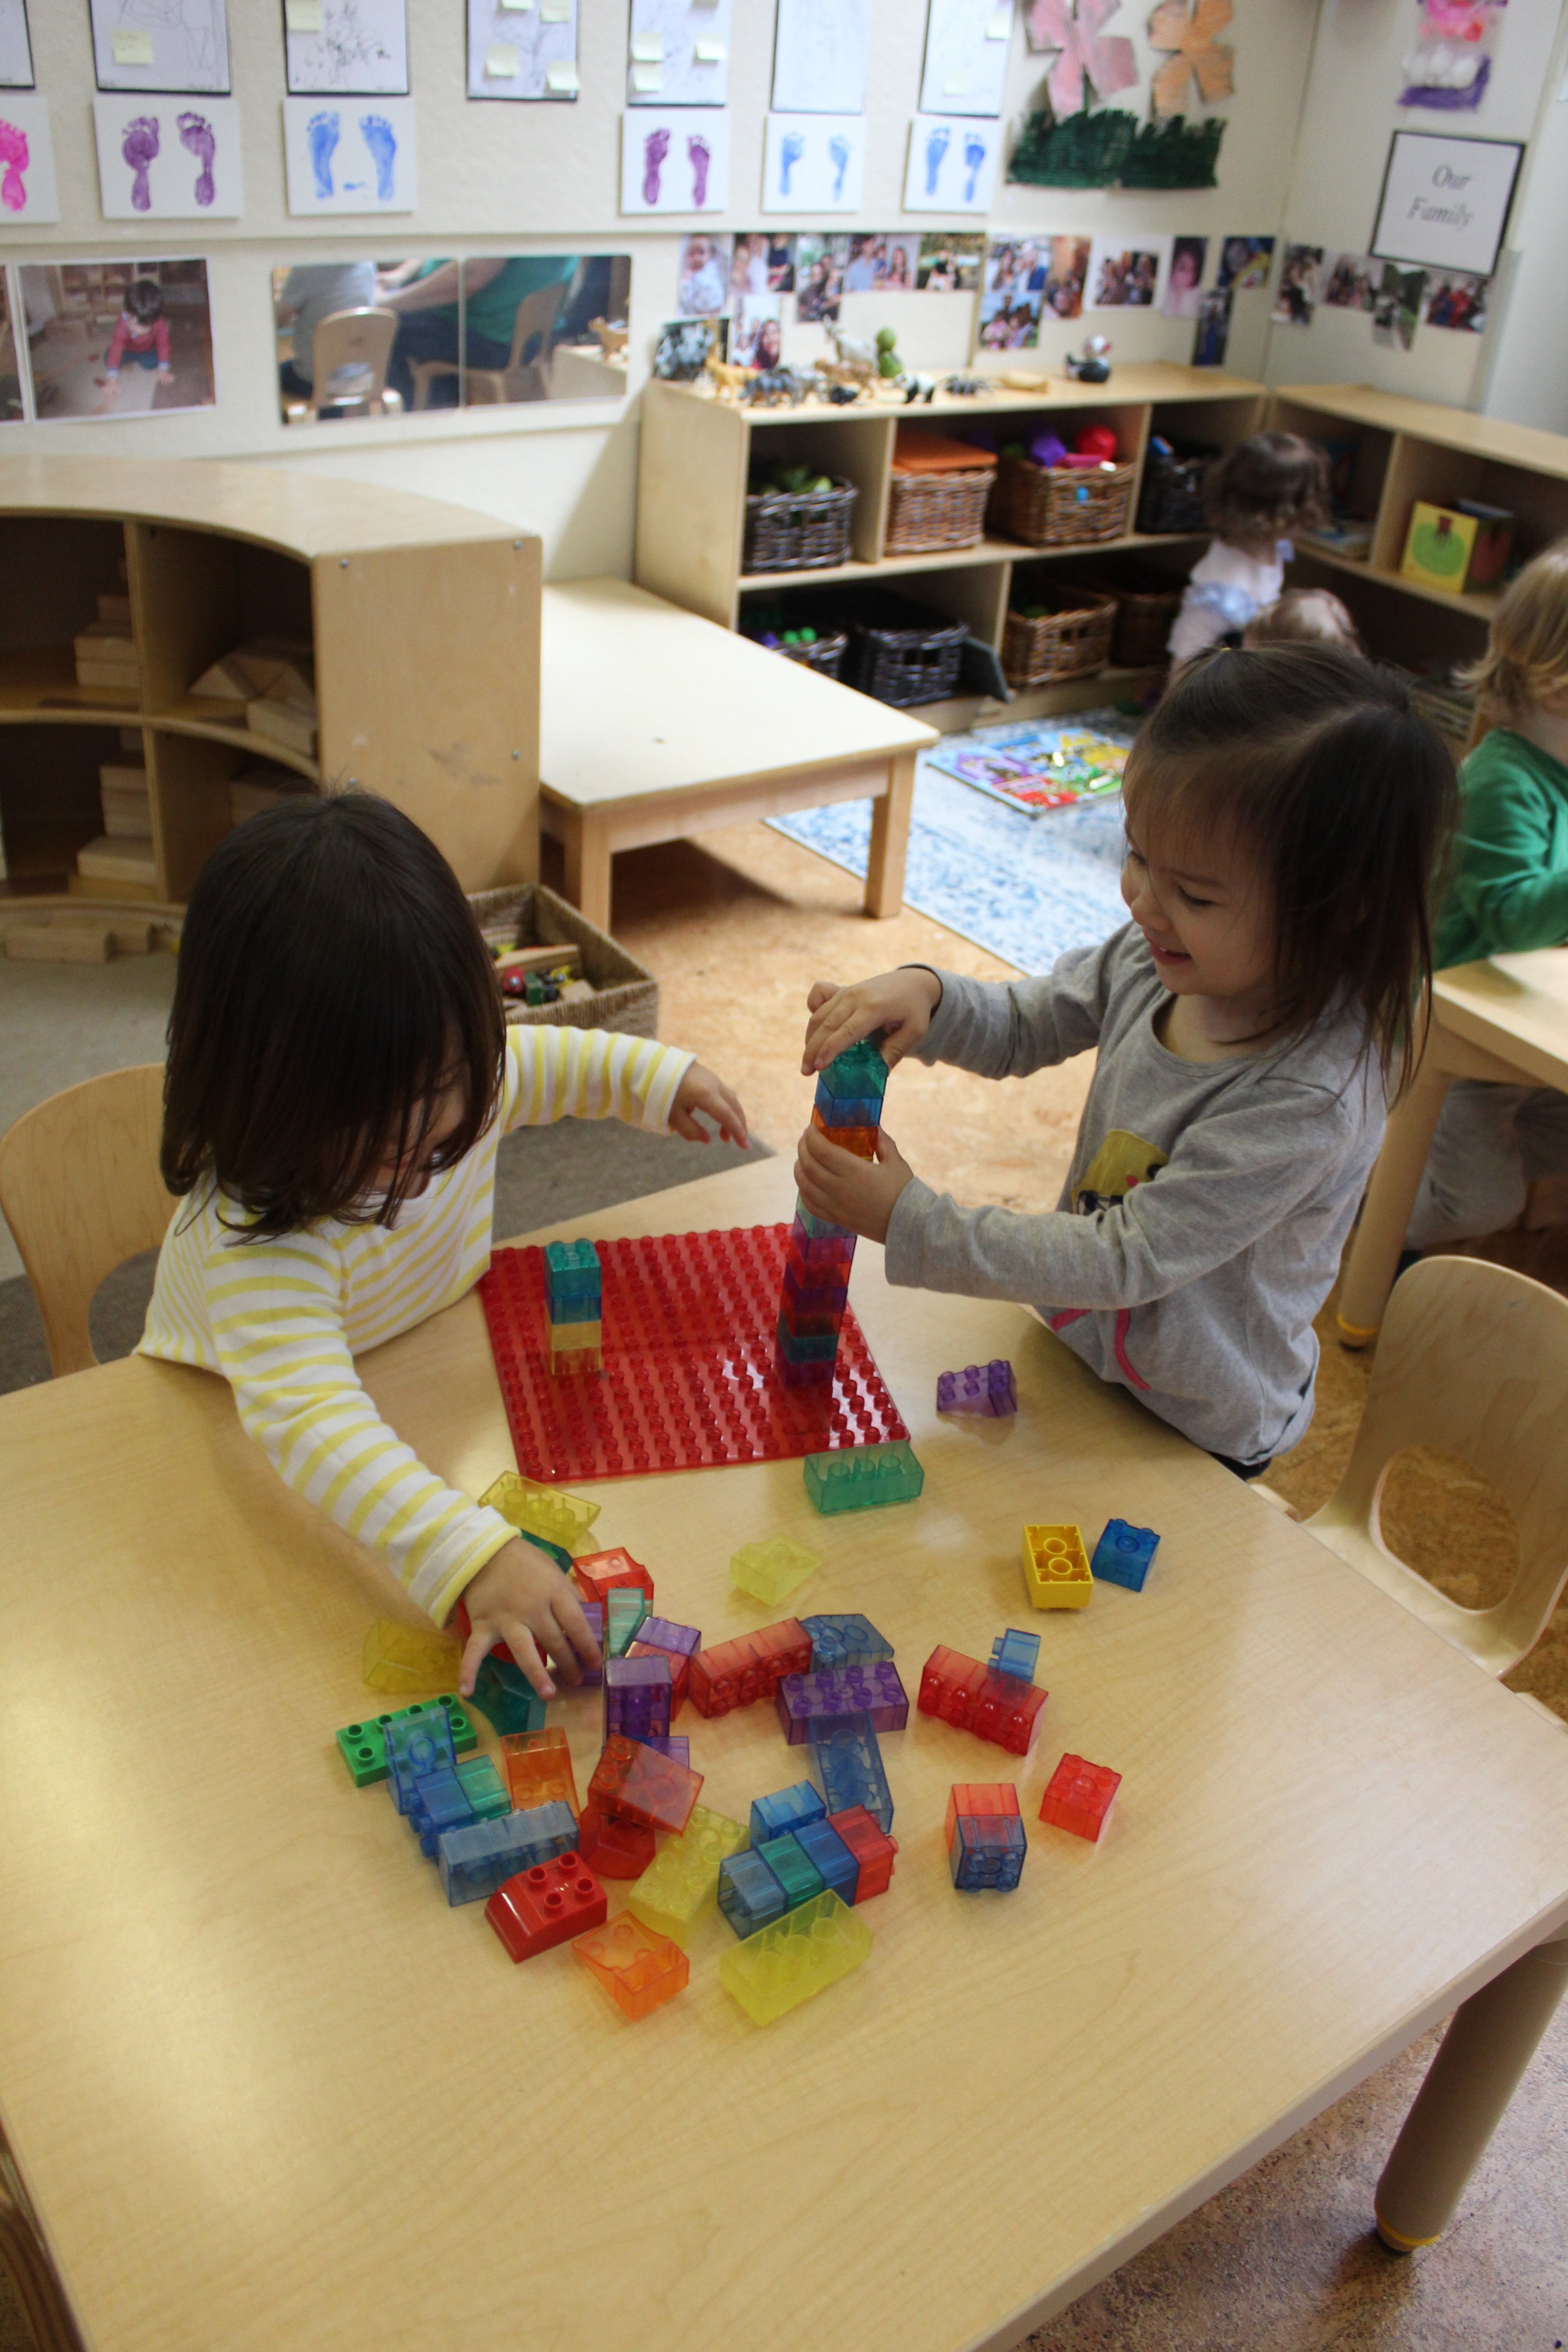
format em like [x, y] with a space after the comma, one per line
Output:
[1026, 888]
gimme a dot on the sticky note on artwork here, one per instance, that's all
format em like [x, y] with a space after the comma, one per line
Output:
[555, 12]
[561, 79]
[647, 50]
[646, 79]
[999, 24]
[709, 53]
[302, 15]
[956, 82]
[132, 44]
[516, 8]
[501, 62]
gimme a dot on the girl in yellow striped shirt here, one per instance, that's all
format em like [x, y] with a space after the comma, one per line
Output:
[340, 1077]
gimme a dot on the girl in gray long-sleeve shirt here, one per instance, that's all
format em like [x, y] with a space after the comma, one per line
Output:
[1286, 813]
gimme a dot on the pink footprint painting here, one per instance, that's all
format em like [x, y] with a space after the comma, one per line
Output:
[197, 134]
[701, 156]
[655, 148]
[15, 154]
[139, 147]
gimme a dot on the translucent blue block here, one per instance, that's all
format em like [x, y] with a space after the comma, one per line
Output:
[848, 1111]
[839, 1641]
[987, 1851]
[509, 1706]
[776, 1816]
[786, 1858]
[439, 1803]
[750, 1896]
[848, 1763]
[416, 1746]
[859, 1071]
[474, 1861]
[830, 1858]
[1123, 1554]
[1017, 1654]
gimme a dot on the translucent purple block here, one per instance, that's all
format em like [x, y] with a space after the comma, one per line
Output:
[658, 1634]
[809, 1701]
[637, 1697]
[677, 1747]
[594, 1676]
[979, 1387]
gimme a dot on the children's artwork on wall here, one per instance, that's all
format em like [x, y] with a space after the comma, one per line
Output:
[16, 48]
[1244, 263]
[358, 157]
[1446, 201]
[675, 162]
[118, 338]
[953, 163]
[158, 160]
[1455, 300]
[821, 52]
[820, 264]
[1449, 63]
[684, 347]
[348, 49]
[967, 44]
[1211, 338]
[680, 53]
[1086, 59]
[951, 264]
[756, 333]
[161, 45]
[1124, 273]
[749, 268]
[1398, 305]
[1301, 286]
[1183, 281]
[1349, 282]
[1110, 149]
[1009, 321]
[703, 280]
[528, 52]
[27, 191]
[813, 162]
[1198, 65]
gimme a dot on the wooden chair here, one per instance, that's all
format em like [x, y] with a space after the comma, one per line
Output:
[521, 378]
[81, 1192]
[1472, 1359]
[352, 347]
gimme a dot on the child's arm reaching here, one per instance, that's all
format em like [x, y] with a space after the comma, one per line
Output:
[998, 1029]
[599, 1074]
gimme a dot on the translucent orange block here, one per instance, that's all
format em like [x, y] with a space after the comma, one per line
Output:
[403, 1659]
[1056, 1568]
[641, 1785]
[860, 1141]
[639, 1971]
[538, 1768]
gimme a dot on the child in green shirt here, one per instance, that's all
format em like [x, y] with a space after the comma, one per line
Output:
[1507, 891]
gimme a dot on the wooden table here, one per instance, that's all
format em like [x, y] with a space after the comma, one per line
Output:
[655, 724]
[1505, 1018]
[266, 2090]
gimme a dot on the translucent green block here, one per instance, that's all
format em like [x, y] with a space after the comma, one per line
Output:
[676, 1889]
[862, 1476]
[799, 1876]
[507, 1708]
[770, 1571]
[484, 1788]
[362, 1746]
[857, 1073]
[799, 1954]
[626, 1606]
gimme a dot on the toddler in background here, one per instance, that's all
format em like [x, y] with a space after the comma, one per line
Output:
[141, 333]
[1304, 616]
[1254, 498]
[340, 1077]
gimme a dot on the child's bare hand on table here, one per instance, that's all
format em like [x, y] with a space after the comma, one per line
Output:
[700, 1090]
[899, 1003]
[520, 1597]
[847, 1189]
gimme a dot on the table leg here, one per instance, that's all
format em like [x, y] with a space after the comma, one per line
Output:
[1385, 1212]
[890, 837]
[587, 846]
[1485, 2052]
[25, 2261]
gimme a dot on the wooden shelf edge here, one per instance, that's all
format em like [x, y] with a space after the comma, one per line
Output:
[951, 559]
[1476, 607]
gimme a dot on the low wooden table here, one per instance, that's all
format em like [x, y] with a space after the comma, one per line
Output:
[265, 2090]
[1505, 1018]
[655, 724]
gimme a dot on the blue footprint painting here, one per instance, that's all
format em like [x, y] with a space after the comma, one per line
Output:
[973, 156]
[378, 136]
[323, 132]
[936, 148]
[792, 147]
[838, 149]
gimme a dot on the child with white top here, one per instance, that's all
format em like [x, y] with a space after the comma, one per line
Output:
[1254, 497]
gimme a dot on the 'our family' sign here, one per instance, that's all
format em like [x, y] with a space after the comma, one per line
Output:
[1444, 201]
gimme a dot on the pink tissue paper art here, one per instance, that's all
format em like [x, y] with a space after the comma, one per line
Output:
[1085, 53]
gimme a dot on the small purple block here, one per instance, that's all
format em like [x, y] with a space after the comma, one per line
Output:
[636, 1698]
[678, 1748]
[593, 1677]
[979, 1387]
[658, 1634]
[811, 1703]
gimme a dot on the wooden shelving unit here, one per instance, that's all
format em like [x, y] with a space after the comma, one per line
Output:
[696, 456]
[424, 619]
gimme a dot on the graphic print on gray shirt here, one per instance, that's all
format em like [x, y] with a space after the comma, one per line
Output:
[1206, 1205]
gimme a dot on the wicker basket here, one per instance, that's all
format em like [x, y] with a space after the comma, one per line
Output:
[1070, 639]
[826, 655]
[1172, 495]
[785, 533]
[902, 652]
[1144, 618]
[766, 618]
[931, 510]
[1061, 506]
[624, 997]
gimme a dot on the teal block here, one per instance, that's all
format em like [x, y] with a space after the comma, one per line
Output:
[485, 1790]
[362, 1746]
[796, 1348]
[862, 1477]
[858, 1073]
[507, 1707]
[799, 1877]
[626, 1607]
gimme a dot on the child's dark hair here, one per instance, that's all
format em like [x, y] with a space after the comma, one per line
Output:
[145, 299]
[332, 984]
[1314, 762]
[1267, 487]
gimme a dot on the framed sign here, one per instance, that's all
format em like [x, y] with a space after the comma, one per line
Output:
[1444, 201]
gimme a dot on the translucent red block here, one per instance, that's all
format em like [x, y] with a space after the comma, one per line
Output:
[616, 1847]
[981, 1801]
[597, 1574]
[637, 1784]
[546, 1906]
[750, 1667]
[690, 1378]
[871, 1846]
[972, 1697]
[1078, 1796]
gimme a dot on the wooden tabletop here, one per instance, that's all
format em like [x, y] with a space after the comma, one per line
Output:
[640, 698]
[1515, 1006]
[266, 2090]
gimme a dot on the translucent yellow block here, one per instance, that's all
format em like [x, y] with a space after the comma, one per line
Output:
[548, 1511]
[770, 1571]
[675, 1890]
[1056, 1568]
[802, 1953]
[400, 1658]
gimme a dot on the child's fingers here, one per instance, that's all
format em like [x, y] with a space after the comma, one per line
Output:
[821, 993]
[575, 1630]
[475, 1651]
[517, 1635]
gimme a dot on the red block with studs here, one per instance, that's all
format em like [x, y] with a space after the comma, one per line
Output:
[1078, 1796]
[750, 1667]
[597, 1573]
[548, 1904]
[616, 1847]
[871, 1846]
[634, 1783]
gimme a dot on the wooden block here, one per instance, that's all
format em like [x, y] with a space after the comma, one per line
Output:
[64, 942]
[110, 674]
[105, 641]
[540, 958]
[279, 722]
[104, 860]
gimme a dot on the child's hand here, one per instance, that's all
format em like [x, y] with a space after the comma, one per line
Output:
[520, 1597]
[700, 1090]
[899, 1003]
[847, 1189]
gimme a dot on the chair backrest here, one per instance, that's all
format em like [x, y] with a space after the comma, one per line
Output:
[81, 1192]
[351, 348]
[536, 314]
[1472, 1359]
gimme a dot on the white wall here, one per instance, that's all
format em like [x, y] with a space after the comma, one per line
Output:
[1526, 370]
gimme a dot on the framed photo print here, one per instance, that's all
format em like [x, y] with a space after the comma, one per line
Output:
[1444, 202]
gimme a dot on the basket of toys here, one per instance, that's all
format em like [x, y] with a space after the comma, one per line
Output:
[901, 652]
[797, 520]
[1173, 493]
[815, 645]
[1058, 629]
[1061, 504]
[937, 492]
[536, 937]
[1145, 615]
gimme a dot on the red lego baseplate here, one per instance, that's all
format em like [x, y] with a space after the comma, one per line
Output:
[690, 1378]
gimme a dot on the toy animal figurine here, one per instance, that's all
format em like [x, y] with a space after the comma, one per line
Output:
[775, 388]
[728, 383]
[965, 387]
[917, 386]
[1094, 367]
[611, 339]
[856, 358]
[842, 396]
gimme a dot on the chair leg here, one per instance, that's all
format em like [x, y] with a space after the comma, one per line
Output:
[1386, 1215]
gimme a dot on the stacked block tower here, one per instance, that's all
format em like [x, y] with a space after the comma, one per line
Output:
[576, 1307]
[848, 1111]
